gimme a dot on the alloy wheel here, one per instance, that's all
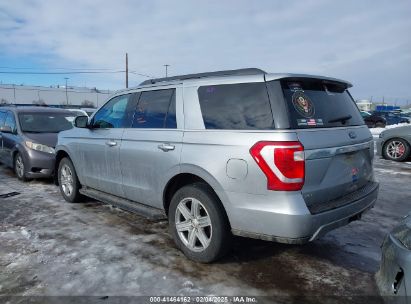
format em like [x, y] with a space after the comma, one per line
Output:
[395, 149]
[66, 180]
[193, 224]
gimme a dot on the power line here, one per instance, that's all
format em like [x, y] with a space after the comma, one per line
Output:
[74, 72]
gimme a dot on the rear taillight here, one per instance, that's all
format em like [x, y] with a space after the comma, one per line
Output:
[282, 163]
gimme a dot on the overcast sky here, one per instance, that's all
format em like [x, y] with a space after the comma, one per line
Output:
[365, 42]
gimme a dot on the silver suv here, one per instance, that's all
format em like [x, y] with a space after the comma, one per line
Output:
[280, 157]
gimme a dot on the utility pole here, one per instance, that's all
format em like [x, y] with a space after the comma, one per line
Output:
[126, 70]
[66, 78]
[166, 65]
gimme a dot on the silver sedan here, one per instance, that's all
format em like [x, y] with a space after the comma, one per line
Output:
[395, 144]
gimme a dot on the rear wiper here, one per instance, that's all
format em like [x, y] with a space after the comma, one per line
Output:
[343, 119]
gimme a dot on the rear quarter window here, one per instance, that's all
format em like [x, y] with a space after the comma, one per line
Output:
[316, 104]
[243, 106]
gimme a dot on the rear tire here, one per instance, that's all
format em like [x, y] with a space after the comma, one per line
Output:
[20, 167]
[198, 223]
[68, 181]
[396, 149]
[380, 125]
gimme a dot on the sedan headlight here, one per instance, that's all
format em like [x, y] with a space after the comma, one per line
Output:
[40, 147]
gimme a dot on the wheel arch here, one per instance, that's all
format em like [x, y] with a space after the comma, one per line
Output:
[187, 177]
[60, 154]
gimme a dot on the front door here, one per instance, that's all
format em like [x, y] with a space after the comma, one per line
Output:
[99, 146]
[2, 120]
[9, 139]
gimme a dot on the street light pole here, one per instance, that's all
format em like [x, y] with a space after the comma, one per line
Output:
[66, 78]
[166, 65]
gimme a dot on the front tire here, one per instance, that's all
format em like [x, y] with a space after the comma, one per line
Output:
[396, 149]
[198, 223]
[20, 167]
[68, 181]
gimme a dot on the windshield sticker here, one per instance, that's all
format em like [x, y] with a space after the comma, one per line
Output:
[303, 105]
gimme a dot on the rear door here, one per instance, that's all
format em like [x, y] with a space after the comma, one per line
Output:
[338, 146]
[150, 149]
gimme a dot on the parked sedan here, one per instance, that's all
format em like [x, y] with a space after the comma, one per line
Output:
[395, 143]
[28, 136]
[373, 120]
[394, 276]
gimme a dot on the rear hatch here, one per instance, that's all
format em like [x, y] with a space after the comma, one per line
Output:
[338, 146]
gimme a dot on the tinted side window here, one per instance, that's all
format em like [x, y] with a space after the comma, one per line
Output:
[2, 118]
[10, 121]
[153, 108]
[243, 106]
[117, 113]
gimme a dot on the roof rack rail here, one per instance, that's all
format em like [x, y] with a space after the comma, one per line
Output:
[239, 72]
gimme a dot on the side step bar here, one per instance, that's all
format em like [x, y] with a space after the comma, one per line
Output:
[144, 210]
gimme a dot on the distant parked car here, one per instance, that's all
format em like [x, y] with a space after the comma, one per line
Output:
[373, 120]
[392, 118]
[28, 136]
[395, 143]
[89, 111]
[394, 276]
[78, 112]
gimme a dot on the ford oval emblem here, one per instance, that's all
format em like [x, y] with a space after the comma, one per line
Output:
[352, 135]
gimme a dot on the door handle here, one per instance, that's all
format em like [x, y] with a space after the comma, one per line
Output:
[166, 147]
[111, 143]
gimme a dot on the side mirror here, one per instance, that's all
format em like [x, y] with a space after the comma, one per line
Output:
[81, 121]
[6, 129]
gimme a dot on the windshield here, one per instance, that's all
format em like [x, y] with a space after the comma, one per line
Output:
[315, 104]
[45, 122]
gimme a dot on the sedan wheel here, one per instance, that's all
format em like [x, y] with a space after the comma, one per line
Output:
[19, 167]
[397, 150]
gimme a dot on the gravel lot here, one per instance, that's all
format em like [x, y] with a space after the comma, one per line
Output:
[50, 247]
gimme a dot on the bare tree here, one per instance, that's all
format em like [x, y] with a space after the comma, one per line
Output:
[88, 104]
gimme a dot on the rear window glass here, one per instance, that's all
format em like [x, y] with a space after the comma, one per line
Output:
[317, 104]
[243, 106]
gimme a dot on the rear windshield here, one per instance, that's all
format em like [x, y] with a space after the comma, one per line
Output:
[317, 104]
[45, 122]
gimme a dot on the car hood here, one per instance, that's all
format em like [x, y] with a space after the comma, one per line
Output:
[403, 232]
[48, 139]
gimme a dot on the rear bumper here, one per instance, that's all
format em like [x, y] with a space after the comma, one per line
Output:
[289, 220]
